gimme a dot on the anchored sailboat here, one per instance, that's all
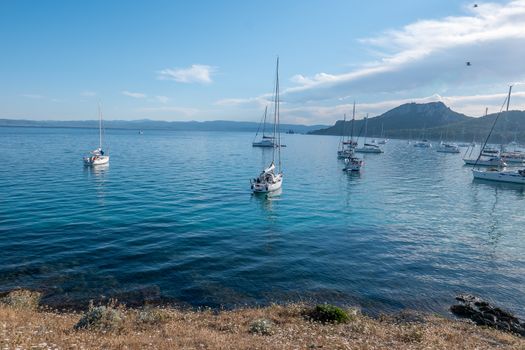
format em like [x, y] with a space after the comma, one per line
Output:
[368, 147]
[495, 174]
[268, 180]
[266, 140]
[98, 156]
[352, 163]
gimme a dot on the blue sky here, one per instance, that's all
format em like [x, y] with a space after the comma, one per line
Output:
[207, 60]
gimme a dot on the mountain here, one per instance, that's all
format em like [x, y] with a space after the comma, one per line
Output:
[409, 116]
[145, 124]
[435, 121]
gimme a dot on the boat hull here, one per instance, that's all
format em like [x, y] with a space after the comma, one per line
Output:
[99, 160]
[368, 150]
[264, 187]
[485, 162]
[515, 177]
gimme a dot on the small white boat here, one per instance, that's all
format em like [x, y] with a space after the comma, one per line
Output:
[444, 147]
[382, 142]
[423, 144]
[268, 180]
[494, 174]
[516, 158]
[98, 156]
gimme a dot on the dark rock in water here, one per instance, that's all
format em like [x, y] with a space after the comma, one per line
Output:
[484, 314]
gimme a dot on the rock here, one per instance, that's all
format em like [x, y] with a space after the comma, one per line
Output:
[484, 314]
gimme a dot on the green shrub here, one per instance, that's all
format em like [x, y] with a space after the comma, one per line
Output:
[102, 318]
[328, 314]
[262, 326]
[22, 299]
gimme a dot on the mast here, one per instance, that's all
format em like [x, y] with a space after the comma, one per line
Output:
[276, 115]
[366, 127]
[264, 122]
[99, 128]
[353, 122]
[343, 132]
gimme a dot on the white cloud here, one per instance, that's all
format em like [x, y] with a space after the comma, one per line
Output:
[196, 73]
[88, 93]
[432, 54]
[134, 94]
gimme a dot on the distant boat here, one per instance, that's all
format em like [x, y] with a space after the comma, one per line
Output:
[445, 147]
[496, 174]
[265, 141]
[268, 180]
[383, 140]
[98, 156]
[368, 147]
[346, 145]
[423, 144]
[352, 163]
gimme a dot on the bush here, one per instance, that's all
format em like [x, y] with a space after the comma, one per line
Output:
[262, 326]
[22, 299]
[328, 314]
[152, 316]
[102, 318]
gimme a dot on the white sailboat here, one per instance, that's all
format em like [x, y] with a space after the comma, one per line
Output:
[495, 174]
[352, 163]
[383, 140]
[446, 147]
[368, 147]
[266, 140]
[269, 180]
[98, 156]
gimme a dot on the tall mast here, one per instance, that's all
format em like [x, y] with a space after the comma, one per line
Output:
[99, 128]
[508, 97]
[353, 122]
[264, 122]
[275, 109]
[366, 126]
[277, 112]
[343, 132]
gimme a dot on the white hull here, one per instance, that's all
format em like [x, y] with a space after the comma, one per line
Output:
[516, 177]
[264, 143]
[96, 160]
[353, 164]
[265, 187]
[497, 162]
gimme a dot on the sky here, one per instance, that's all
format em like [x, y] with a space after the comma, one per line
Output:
[210, 60]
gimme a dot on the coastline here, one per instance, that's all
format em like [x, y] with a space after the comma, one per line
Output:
[24, 324]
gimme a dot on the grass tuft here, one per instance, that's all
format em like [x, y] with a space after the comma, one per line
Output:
[327, 313]
[152, 316]
[22, 299]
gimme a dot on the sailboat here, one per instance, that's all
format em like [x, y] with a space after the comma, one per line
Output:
[488, 155]
[347, 147]
[269, 180]
[368, 147]
[352, 163]
[98, 156]
[383, 139]
[495, 174]
[265, 141]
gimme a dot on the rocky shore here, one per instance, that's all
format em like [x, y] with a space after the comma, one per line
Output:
[26, 325]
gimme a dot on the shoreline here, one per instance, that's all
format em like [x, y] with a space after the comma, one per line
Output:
[25, 324]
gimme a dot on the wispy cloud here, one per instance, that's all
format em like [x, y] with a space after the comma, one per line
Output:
[432, 53]
[88, 93]
[33, 96]
[162, 99]
[196, 73]
[134, 94]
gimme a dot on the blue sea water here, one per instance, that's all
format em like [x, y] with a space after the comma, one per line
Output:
[172, 219]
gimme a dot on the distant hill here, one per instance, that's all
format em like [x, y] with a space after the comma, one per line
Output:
[434, 121]
[218, 125]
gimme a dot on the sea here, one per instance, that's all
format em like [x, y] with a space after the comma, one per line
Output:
[172, 220]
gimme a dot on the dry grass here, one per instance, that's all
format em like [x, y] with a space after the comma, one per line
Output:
[174, 329]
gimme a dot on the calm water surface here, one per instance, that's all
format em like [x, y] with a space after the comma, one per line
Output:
[171, 219]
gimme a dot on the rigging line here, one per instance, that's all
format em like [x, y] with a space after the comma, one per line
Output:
[507, 101]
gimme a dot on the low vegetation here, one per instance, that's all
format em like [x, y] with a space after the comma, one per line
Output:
[274, 327]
